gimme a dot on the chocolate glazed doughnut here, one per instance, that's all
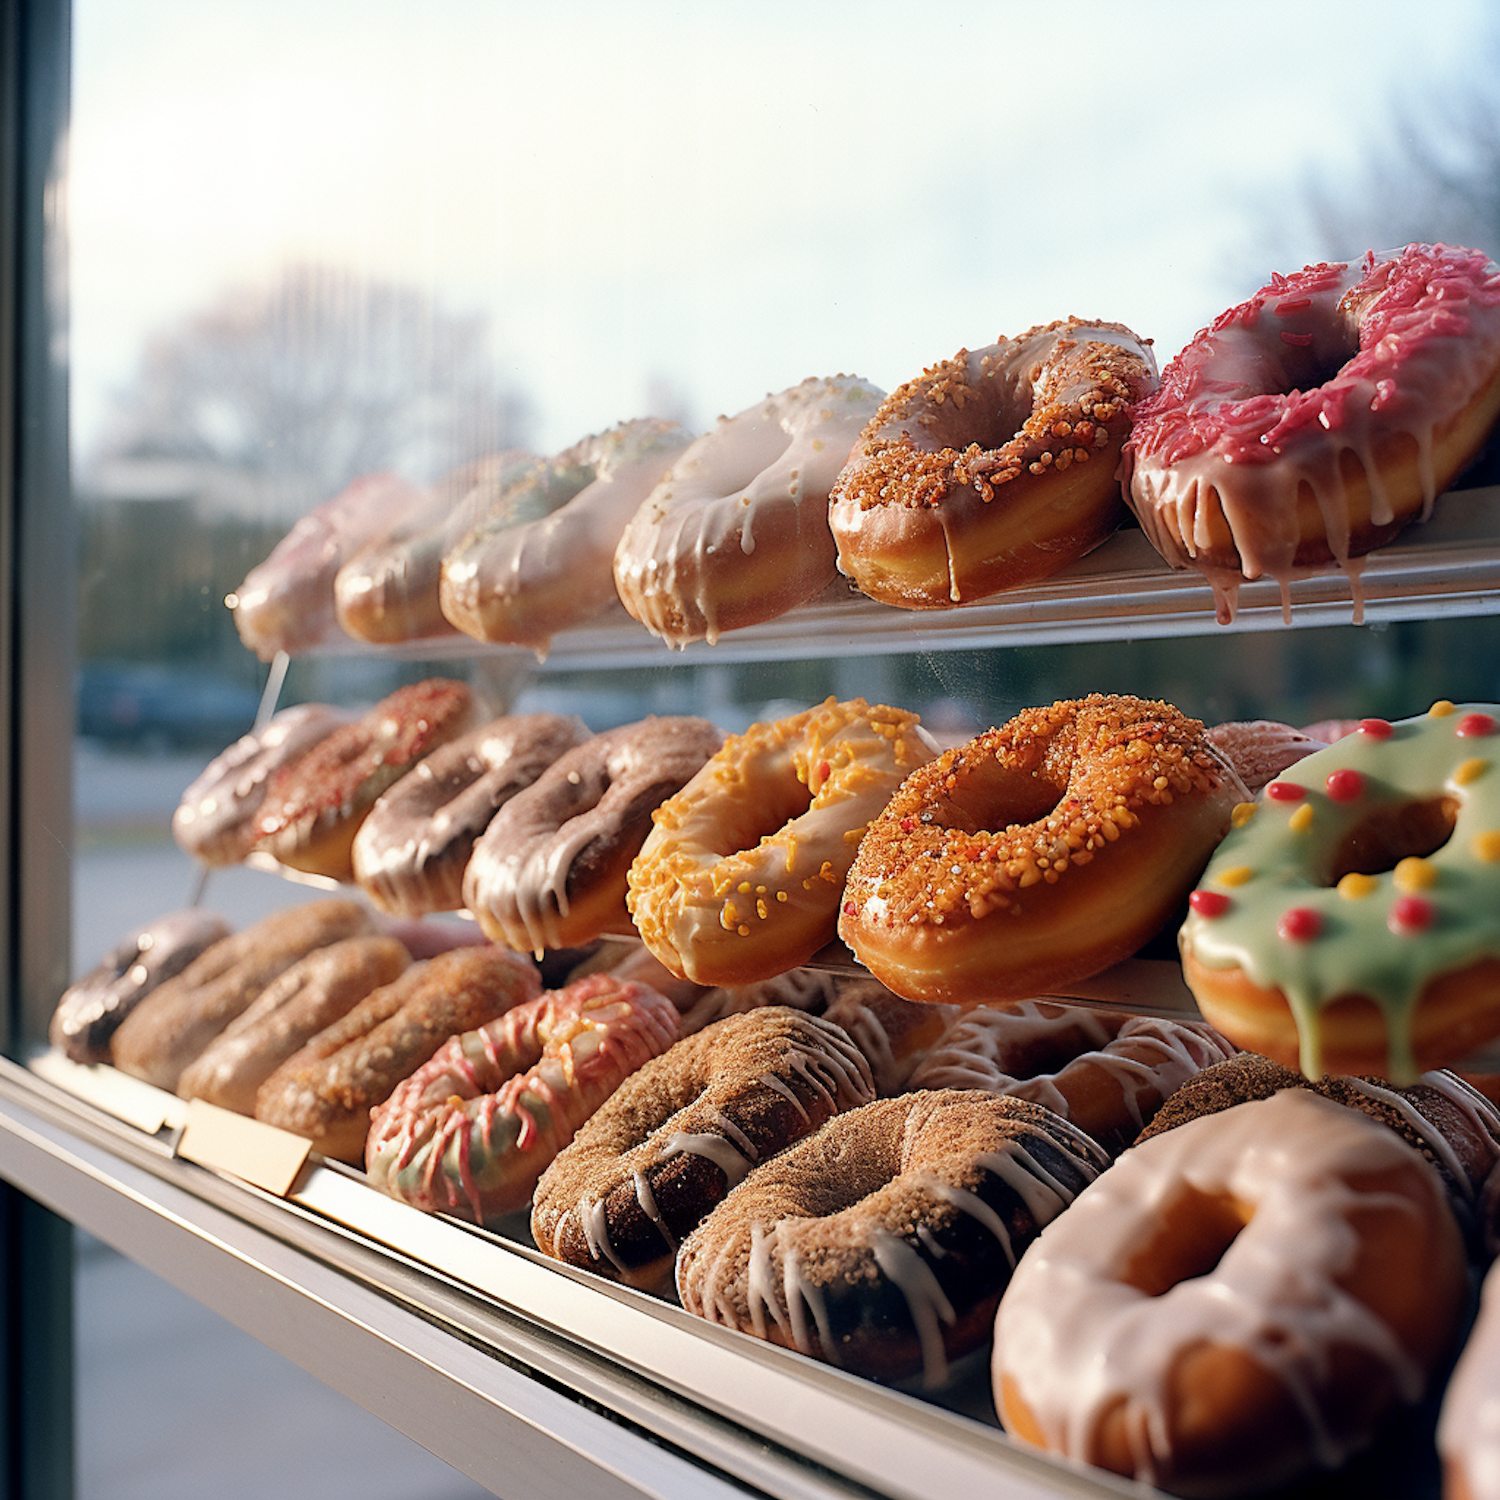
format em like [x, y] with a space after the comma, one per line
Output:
[550, 870]
[677, 1135]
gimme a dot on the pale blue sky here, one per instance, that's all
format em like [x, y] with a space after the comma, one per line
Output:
[721, 198]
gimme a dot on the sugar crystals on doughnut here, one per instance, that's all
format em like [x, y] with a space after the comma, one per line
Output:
[882, 1243]
[1037, 854]
[737, 532]
[992, 469]
[1308, 425]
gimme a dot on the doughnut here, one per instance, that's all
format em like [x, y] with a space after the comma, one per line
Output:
[737, 531]
[812, 990]
[182, 1015]
[1234, 1303]
[314, 805]
[410, 853]
[992, 469]
[672, 1140]
[882, 1242]
[215, 820]
[1038, 853]
[326, 1090]
[741, 877]
[541, 559]
[550, 870]
[1468, 1433]
[471, 1130]
[299, 1003]
[1308, 425]
[92, 1008]
[1107, 1072]
[388, 591]
[286, 602]
[1350, 922]
[895, 1035]
[1261, 749]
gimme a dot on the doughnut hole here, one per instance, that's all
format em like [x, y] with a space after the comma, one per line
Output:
[746, 820]
[1189, 1239]
[992, 796]
[1380, 841]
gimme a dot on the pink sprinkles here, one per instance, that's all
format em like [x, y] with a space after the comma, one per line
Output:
[1285, 791]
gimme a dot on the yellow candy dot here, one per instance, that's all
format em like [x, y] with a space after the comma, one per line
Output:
[1243, 812]
[1414, 875]
[1301, 820]
[1486, 846]
[1354, 885]
[1441, 709]
[1235, 875]
[1470, 770]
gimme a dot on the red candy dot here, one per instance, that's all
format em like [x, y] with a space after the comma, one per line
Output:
[1474, 726]
[1346, 786]
[1209, 903]
[1299, 925]
[1377, 729]
[850, 909]
[1410, 914]
[1285, 791]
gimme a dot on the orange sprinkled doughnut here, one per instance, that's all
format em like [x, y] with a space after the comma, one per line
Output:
[993, 468]
[1038, 853]
[741, 877]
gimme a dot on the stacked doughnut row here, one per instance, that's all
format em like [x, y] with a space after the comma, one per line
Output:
[1300, 430]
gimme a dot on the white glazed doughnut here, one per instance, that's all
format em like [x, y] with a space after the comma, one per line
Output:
[737, 532]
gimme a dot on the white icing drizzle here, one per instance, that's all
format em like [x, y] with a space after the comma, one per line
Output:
[733, 1163]
[1429, 1133]
[930, 1309]
[594, 1223]
[647, 1200]
[1077, 1340]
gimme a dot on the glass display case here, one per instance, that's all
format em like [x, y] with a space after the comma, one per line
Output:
[662, 214]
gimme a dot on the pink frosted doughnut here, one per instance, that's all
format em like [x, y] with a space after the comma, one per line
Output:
[1308, 425]
[1261, 749]
[473, 1128]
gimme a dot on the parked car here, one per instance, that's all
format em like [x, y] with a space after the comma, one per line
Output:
[152, 705]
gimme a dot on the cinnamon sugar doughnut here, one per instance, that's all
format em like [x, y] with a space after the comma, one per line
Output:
[473, 1128]
[1234, 1303]
[1038, 853]
[550, 870]
[737, 531]
[326, 1090]
[742, 874]
[1106, 1072]
[521, 577]
[1307, 426]
[316, 803]
[215, 821]
[411, 851]
[882, 1243]
[181, 1016]
[679, 1133]
[895, 1035]
[992, 469]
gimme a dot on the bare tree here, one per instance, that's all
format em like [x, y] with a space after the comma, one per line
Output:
[316, 378]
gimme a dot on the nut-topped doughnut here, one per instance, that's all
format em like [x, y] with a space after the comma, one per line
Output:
[1038, 853]
[316, 803]
[1234, 1303]
[1105, 1071]
[1350, 922]
[882, 1243]
[411, 851]
[993, 468]
[1310, 424]
[737, 532]
[521, 577]
[672, 1140]
[740, 878]
[550, 870]
[473, 1128]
